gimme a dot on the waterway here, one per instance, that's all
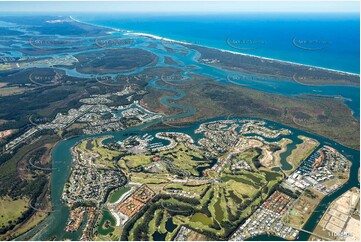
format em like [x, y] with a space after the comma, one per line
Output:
[53, 226]
[187, 62]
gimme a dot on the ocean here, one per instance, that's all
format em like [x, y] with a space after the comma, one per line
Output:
[323, 40]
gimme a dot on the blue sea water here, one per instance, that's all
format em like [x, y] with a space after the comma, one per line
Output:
[324, 40]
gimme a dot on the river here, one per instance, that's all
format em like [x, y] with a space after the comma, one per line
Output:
[53, 226]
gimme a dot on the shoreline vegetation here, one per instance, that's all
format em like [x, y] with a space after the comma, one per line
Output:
[301, 152]
[207, 97]
[280, 70]
[239, 53]
[283, 70]
[218, 49]
[209, 103]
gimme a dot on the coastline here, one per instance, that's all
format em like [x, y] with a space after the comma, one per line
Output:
[165, 39]
[243, 54]
[127, 32]
[100, 26]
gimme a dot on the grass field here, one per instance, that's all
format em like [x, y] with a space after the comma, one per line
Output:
[11, 210]
[225, 203]
[9, 167]
[201, 218]
[302, 209]
[133, 161]
[118, 193]
[103, 156]
[301, 152]
[181, 187]
[157, 224]
[8, 91]
[210, 206]
[25, 181]
[220, 208]
[283, 144]
[149, 178]
[182, 158]
[29, 223]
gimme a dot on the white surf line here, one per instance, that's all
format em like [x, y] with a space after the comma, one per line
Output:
[243, 54]
[98, 25]
[222, 50]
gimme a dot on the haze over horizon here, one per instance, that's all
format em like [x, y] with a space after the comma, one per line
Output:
[180, 6]
[180, 120]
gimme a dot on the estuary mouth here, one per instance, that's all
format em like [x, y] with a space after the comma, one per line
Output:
[179, 121]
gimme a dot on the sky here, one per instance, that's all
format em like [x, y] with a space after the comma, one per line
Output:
[182, 7]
